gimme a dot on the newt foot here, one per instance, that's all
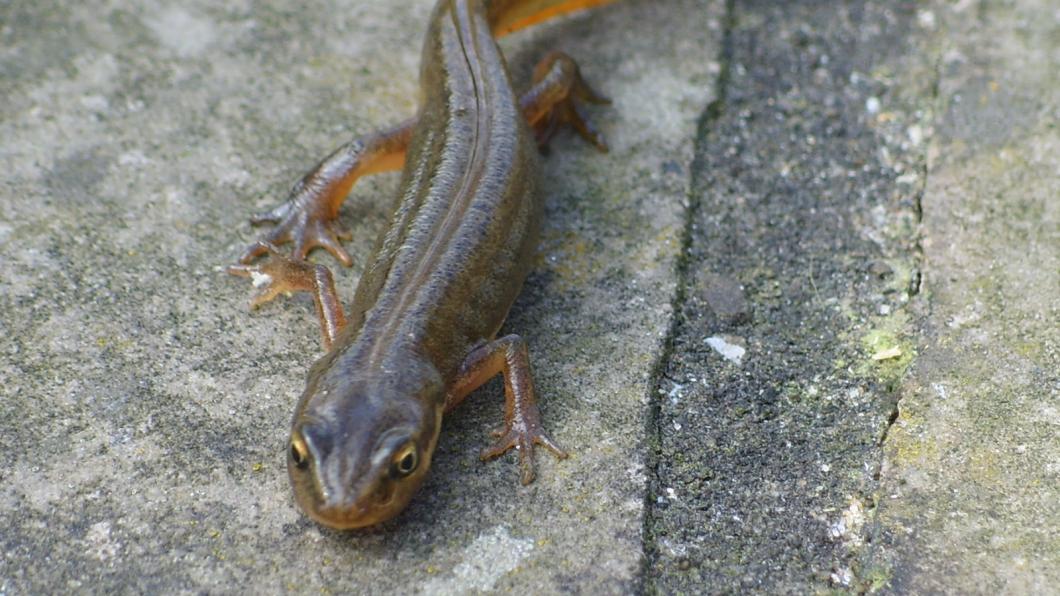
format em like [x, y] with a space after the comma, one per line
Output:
[568, 110]
[523, 432]
[307, 220]
[279, 274]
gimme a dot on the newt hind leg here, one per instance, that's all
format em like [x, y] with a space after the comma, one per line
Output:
[522, 428]
[555, 100]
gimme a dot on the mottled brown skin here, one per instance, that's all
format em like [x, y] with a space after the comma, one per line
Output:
[421, 332]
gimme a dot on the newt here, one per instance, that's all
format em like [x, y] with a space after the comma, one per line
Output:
[421, 333]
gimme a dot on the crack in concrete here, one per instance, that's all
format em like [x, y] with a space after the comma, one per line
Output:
[873, 529]
[655, 536]
[653, 433]
[917, 277]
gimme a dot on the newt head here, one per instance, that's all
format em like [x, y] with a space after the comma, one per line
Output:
[356, 456]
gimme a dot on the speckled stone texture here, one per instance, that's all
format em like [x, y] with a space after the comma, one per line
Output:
[144, 410]
[970, 494]
[799, 327]
[804, 206]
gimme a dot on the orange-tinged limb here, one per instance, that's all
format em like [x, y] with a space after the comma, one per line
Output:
[307, 217]
[554, 100]
[522, 427]
[508, 16]
[282, 275]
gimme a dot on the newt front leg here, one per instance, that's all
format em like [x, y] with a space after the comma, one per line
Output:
[281, 275]
[307, 218]
[522, 427]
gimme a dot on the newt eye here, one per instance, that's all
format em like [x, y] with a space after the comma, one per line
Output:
[299, 453]
[405, 461]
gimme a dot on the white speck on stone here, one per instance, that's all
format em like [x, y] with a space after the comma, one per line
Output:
[95, 102]
[887, 354]
[671, 494]
[187, 35]
[940, 390]
[916, 135]
[842, 577]
[487, 559]
[909, 178]
[675, 393]
[926, 19]
[259, 279]
[132, 158]
[837, 529]
[729, 350]
[848, 528]
[674, 549]
[100, 543]
[872, 105]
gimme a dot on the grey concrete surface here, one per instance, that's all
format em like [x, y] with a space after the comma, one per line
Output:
[969, 501]
[802, 253]
[799, 328]
[144, 410]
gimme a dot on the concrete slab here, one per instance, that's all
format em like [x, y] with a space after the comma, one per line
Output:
[145, 411]
[970, 495]
[794, 327]
[857, 390]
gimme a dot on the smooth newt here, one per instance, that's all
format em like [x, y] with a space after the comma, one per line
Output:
[421, 334]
